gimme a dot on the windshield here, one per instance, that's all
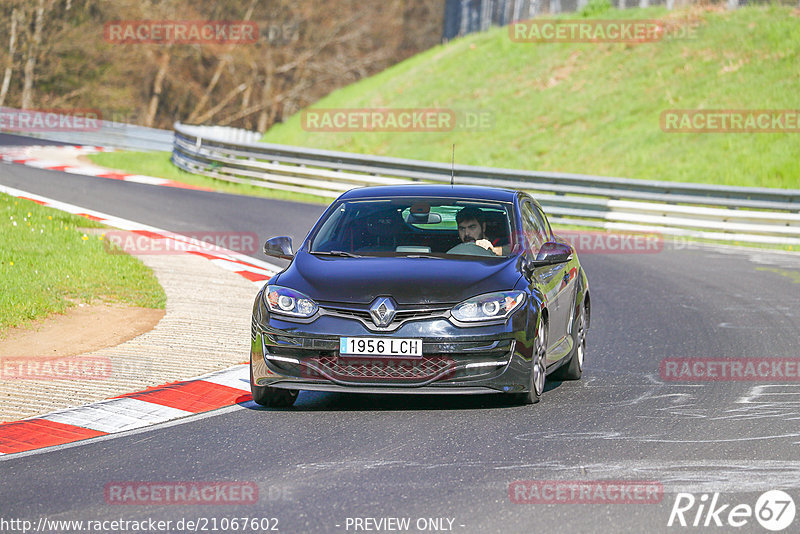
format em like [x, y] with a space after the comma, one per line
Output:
[436, 227]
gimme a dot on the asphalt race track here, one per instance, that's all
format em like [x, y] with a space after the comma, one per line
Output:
[339, 456]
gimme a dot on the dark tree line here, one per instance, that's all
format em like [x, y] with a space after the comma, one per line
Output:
[53, 54]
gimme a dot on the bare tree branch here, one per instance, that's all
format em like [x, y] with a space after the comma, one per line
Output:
[33, 52]
[201, 104]
[12, 50]
[157, 88]
[230, 96]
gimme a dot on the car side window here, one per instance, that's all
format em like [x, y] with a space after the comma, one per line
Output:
[531, 227]
[544, 224]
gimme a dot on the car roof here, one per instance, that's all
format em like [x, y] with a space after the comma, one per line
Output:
[432, 190]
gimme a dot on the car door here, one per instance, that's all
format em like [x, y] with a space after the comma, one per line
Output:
[547, 279]
[564, 274]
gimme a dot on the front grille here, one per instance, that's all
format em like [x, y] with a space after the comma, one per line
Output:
[382, 369]
[403, 315]
[355, 314]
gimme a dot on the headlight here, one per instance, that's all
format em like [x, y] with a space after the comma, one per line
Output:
[285, 301]
[489, 307]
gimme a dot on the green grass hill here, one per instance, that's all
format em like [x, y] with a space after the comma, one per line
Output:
[595, 108]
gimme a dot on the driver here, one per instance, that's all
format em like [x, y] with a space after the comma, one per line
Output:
[472, 229]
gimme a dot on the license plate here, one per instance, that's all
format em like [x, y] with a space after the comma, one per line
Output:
[380, 346]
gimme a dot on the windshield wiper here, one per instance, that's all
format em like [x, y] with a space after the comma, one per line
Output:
[422, 256]
[338, 253]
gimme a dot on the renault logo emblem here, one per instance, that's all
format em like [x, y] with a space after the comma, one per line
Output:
[382, 311]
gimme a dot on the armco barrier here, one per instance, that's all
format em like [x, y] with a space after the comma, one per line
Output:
[747, 214]
[103, 133]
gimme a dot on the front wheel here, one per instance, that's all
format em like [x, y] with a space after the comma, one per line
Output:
[538, 369]
[574, 368]
[272, 397]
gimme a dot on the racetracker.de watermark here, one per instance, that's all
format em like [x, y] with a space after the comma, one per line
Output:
[51, 120]
[730, 369]
[62, 368]
[79, 368]
[181, 493]
[585, 492]
[587, 31]
[395, 120]
[730, 121]
[598, 242]
[180, 32]
[146, 243]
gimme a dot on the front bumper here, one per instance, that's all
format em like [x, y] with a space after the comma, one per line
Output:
[465, 360]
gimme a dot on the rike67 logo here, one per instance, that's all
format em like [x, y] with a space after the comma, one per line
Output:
[774, 510]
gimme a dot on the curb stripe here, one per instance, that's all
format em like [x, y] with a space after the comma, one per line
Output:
[116, 415]
[251, 265]
[253, 277]
[38, 433]
[147, 180]
[112, 175]
[195, 396]
[238, 381]
[40, 202]
[83, 150]
[232, 261]
[218, 257]
[129, 412]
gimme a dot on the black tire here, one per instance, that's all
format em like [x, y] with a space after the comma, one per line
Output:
[538, 369]
[272, 397]
[574, 368]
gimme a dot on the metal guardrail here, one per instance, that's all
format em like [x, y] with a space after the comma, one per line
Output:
[748, 214]
[108, 133]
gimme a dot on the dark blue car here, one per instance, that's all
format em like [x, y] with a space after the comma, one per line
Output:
[421, 289]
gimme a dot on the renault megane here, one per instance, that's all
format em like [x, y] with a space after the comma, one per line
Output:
[422, 289]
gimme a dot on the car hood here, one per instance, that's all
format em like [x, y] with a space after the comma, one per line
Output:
[407, 280]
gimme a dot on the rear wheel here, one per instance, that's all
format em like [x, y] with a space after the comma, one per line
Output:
[272, 397]
[574, 368]
[538, 369]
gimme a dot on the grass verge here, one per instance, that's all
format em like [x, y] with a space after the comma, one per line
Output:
[47, 265]
[594, 108]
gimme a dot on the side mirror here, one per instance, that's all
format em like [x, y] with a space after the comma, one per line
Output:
[553, 253]
[280, 247]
